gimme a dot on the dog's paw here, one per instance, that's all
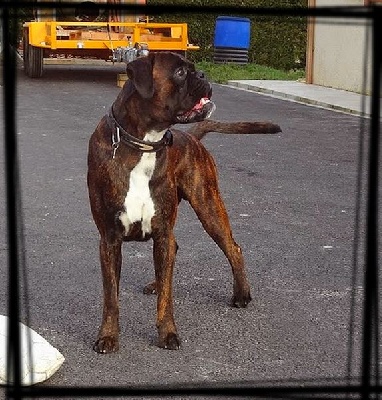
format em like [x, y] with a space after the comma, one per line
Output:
[170, 342]
[241, 300]
[106, 344]
[150, 288]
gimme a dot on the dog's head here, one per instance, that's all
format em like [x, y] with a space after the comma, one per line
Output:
[170, 88]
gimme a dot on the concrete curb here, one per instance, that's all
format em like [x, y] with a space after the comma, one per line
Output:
[312, 100]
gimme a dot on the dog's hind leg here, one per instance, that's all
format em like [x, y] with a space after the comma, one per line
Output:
[111, 260]
[151, 288]
[164, 258]
[211, 212]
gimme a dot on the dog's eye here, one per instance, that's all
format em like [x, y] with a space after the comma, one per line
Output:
[181, 74]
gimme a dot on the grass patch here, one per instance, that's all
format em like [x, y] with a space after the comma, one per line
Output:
[221, 73]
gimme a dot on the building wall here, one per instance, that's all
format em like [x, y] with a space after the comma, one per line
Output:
[338, 46]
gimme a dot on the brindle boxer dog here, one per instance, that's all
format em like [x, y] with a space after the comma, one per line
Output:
[138, 172]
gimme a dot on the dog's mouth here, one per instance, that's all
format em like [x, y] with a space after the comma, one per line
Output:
[200, 111]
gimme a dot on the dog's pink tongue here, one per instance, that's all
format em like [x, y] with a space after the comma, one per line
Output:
[201, 103]
[201, 110]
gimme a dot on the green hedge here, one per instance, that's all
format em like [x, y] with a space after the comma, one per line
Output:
[278, 42]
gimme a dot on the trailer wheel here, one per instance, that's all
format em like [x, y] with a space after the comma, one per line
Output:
[25, 50]
[34, 61]
[33, 58]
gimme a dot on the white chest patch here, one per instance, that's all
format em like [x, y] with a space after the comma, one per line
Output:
[138, 204]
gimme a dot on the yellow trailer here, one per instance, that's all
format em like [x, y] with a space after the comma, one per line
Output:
[100, 35]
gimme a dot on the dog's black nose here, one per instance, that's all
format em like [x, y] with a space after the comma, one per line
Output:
[200, 75]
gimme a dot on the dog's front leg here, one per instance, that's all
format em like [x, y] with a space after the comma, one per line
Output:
[164, 259]
[111, 260]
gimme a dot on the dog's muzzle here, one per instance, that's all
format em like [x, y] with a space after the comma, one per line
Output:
[201, 110]
[203, 107]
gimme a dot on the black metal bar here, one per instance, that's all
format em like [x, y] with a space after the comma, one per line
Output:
[187, 390]
[12, 193]
[335, 12]
[370, 318]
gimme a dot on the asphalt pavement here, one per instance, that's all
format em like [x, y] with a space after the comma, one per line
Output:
[291, 198]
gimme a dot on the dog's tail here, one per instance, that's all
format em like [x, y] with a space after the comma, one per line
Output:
[200, 129]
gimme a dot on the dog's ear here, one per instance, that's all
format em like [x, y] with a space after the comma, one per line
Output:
[140, 72]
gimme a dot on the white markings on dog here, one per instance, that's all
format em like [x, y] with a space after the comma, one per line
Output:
[139, 205]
